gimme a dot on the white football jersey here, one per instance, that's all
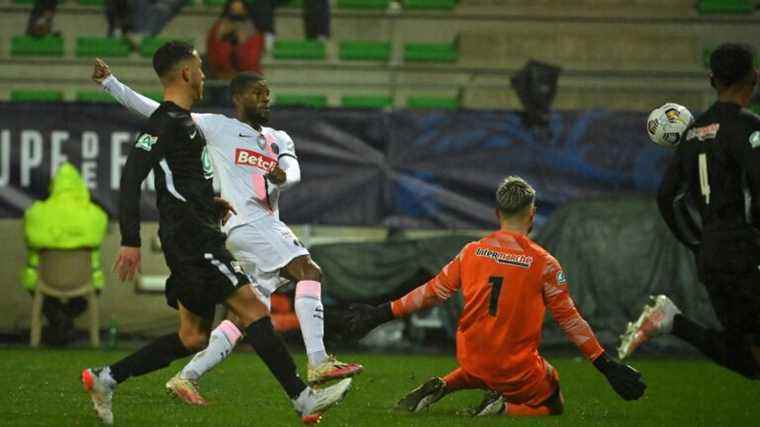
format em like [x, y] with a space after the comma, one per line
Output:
[242, 156]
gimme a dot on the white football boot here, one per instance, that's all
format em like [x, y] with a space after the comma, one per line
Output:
[312, 403]
[656, 319]
[99, 384]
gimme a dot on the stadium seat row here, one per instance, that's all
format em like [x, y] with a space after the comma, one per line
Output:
[285, 100]
[86, 46]
[725, 6]
[341, 4]
[284, 49]
[35, 95]
[366, 51]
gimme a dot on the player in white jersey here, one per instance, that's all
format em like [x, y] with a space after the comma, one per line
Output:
[254, 164]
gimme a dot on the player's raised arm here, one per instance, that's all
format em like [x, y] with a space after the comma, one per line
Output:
[146, 152]
[123, 94]
[625, 380]
[671, 205]
[362, 318]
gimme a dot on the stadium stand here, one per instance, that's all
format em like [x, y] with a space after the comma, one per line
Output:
[432, 102]
[300, 100]
[644, 49]
[365, 51]
[105, 47]
[366, 101]
[299, 49]
[36, 96]
[725, 6]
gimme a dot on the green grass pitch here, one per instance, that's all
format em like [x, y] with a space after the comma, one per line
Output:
[41, 388]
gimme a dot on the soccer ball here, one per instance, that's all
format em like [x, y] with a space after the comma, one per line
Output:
[666, 124]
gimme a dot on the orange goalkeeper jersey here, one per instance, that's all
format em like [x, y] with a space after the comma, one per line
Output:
[507, 282]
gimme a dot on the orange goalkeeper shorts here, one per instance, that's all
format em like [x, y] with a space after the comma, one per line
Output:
[533, 390]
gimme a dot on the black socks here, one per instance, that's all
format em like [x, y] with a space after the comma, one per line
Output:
[156, 355]
[272, 350]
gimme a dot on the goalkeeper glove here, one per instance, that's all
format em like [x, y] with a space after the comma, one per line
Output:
[625, 380]
[362, 318]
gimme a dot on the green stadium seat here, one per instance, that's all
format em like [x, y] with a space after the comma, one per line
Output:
[294, 3]
[24, 1]
[102, 46]
[94, 96]
[755, 108]
[433, 102]
[301, 100]
[214, 3]
[36, 96]
[431, 52]
[363, 4]
[430, 4]
[37, 46]
[366, 101]
[299, 49]
[150, 45]
[725, 6]
[365, 51]
[92, 2]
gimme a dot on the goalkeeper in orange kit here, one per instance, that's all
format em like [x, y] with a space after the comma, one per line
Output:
[507, 282]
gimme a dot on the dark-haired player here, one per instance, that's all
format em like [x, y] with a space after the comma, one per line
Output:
[507, 282]
[203, 273]
[710, 199]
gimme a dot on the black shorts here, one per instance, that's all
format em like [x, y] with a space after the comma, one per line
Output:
[202, 279]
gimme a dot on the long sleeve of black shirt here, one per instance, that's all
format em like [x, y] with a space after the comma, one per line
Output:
[144, 155]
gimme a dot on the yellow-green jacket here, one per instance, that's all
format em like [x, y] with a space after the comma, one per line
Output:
[66, 220]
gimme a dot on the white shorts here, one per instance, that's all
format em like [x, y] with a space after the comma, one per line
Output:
[263, 247]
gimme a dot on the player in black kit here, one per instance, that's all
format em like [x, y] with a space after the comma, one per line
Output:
[710, 199]
[203, 272]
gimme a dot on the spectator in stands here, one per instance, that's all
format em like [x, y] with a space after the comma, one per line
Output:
[316, 19]
[150, 17]
[232, 43]
[40, 23]
[68, 219]
[119, 17]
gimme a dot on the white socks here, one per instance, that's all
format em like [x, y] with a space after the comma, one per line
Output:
[220, 345]
[309, 310]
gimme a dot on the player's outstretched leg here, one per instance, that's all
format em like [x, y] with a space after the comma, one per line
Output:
[184, 385]
[423, 396]
[100, 385]
[656, 319]
[310, 313]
